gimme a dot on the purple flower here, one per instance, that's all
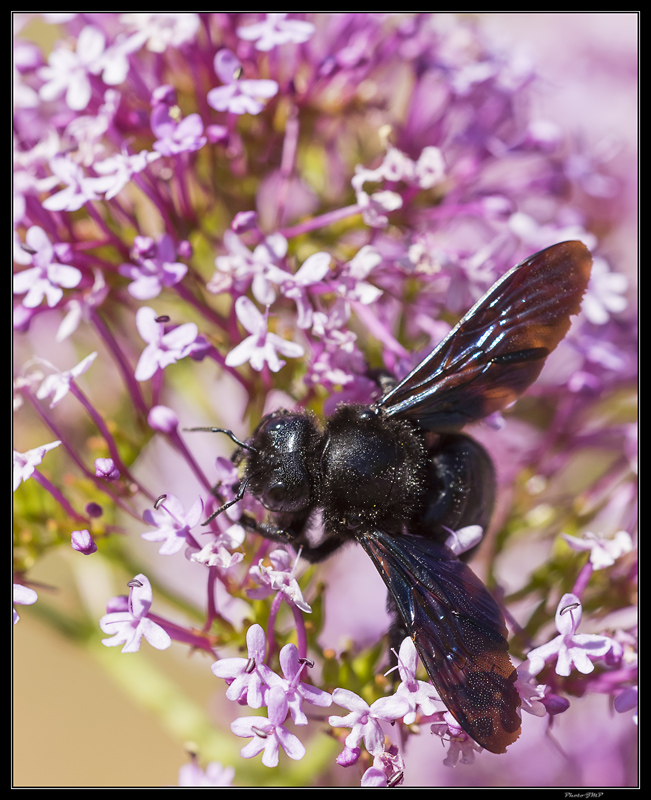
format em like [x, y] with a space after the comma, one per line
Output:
[243, 265]
[217, 554]
[173, 524]
[214, 775]
[571, 649]
[176, 135]
[295, 690]
[626, 701]
[531, 693]
[419, 694]
[46, 277]
[239, 96]
[387, 770]
[163, 32]
[162, 348]
[364, 720]
[68, 71]
[269, 735]
[79, 188]
[154, 270]
[83, 542]
[247, 678]
[275, 30]
[26, 463]
[57, 384]
[464, 539]
[603, 552]
[262, 347]
[353, 285]
[23, 596]
[119, 169]
[605, 295]
[461, 748]
[295, 286]
[105, 468]
[162, 418]
[82, 306]
[279, 577]
[128, 627]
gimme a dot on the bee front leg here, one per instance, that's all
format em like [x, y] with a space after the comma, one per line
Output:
[294, 532]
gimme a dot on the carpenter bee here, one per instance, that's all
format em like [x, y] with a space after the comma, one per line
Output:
[397, 475]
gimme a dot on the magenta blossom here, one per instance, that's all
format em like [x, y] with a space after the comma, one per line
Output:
[162, 348]
[238, 95]
[128, 627]
[247, 678]
[261, 347]
[364, 720]
[269, 735]
[173, 523]
[47, 278]
[570, 649]
[276, 30]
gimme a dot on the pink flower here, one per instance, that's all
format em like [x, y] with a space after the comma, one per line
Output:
[130, 626]
[269, 735]
[46, 279]
[26, 463]
[239, 96]
[571, 649]
[262, 347]
[162, 348]
[276, 30]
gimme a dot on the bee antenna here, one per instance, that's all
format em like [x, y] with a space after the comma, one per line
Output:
[228, 433]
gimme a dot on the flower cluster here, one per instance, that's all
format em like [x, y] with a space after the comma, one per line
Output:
[217, 215]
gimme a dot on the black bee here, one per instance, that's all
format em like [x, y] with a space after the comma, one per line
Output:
[397, 475]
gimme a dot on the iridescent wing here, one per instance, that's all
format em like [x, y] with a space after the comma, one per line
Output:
[458, 630]
[499, 347]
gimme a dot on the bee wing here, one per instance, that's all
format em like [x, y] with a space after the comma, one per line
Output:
[458, 630]
[499, 347]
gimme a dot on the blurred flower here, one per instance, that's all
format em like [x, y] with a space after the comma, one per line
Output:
[83, 542]
[154, 270]
[47, 278]
[23, 596]
[603, 552]
[238, 95]
[26, 463]
[57, 384]
[214, 775]
[275, 30]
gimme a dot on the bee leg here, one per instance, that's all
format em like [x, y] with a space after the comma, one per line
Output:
[461, 488]
[294, 533]
[288, 534]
